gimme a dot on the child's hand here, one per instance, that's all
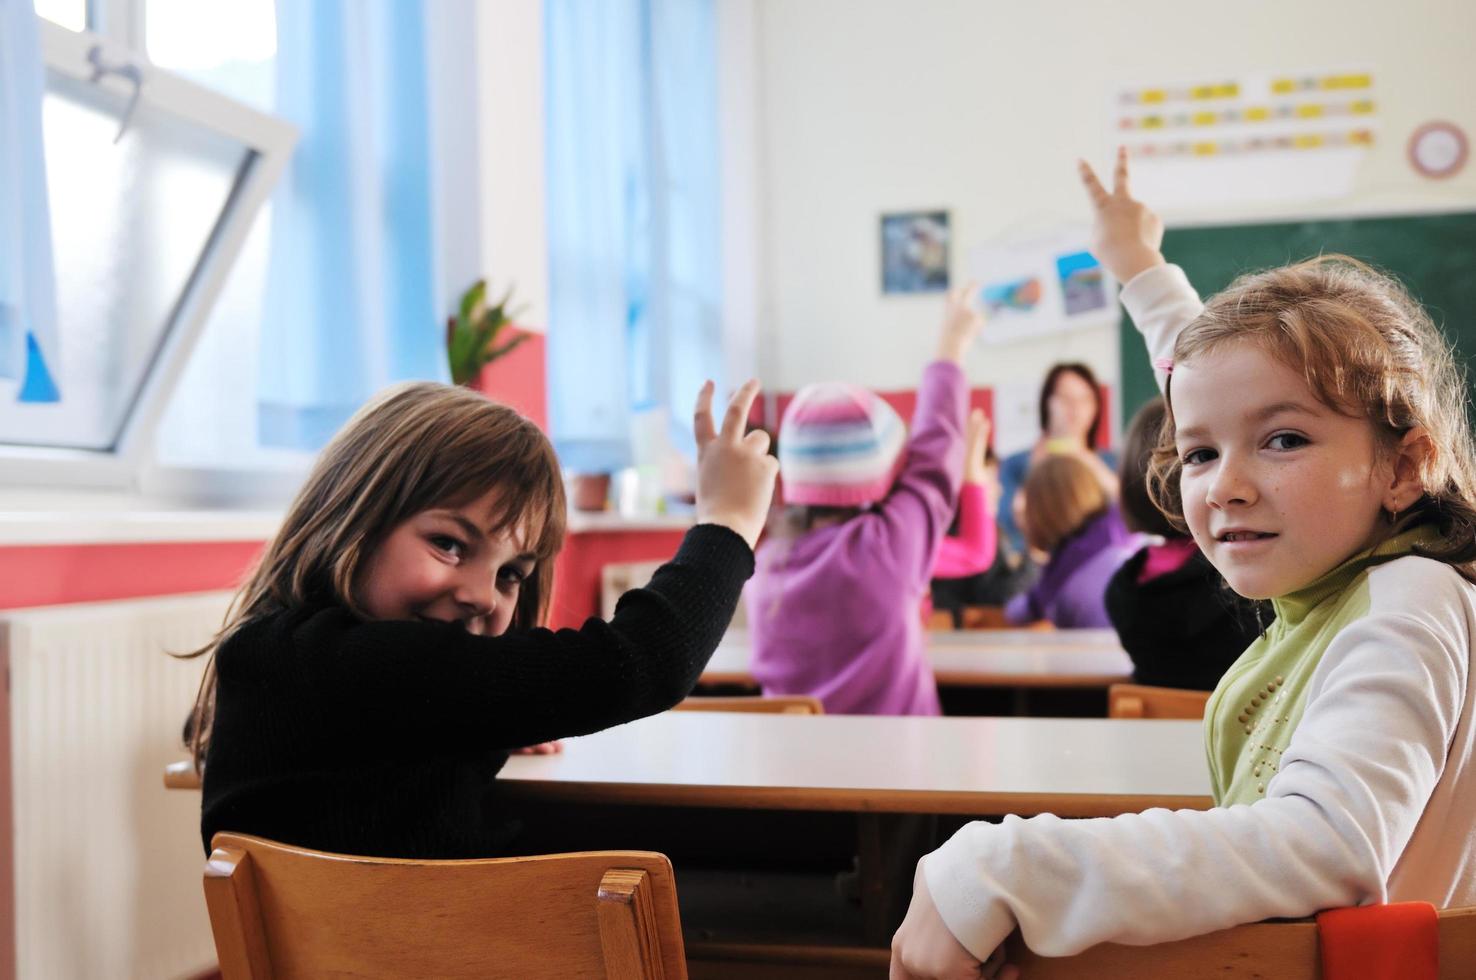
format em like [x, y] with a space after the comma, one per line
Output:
[735, 473]
[975, 447]
[924, 949]
[962, 321]
[1126, 234]
[542, 748]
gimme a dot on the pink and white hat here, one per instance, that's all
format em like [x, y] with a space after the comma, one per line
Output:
[839, 446]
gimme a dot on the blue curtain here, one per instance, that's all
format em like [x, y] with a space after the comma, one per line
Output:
[28, 314]
[633, 198]
[351, 299]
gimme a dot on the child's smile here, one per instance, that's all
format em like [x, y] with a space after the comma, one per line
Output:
[1278, 489]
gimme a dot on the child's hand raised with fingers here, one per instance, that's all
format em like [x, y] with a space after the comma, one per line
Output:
[976, 446]
[962, 321]
[735, 473]
[1126, 233]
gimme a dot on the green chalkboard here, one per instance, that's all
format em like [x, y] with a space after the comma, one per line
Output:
[1434, 256]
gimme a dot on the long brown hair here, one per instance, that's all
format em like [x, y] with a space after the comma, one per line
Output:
[414, 447]
[1367, 349]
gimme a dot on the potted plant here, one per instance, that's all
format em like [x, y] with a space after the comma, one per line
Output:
[471, 335]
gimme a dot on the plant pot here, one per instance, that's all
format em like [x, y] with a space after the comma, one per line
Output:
[591, 490]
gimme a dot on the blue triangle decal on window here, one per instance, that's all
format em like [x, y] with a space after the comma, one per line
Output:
[38, 386]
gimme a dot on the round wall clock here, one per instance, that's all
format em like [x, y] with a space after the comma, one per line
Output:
[1438, 149]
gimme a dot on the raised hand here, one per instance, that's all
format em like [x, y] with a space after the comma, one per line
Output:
[962, 321]
[976, 445]
[1126, 233]
[735, 473]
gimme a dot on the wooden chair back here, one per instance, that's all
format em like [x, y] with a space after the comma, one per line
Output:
[288, 912]
[1142, 701]
[1284, 950]
[779, 704]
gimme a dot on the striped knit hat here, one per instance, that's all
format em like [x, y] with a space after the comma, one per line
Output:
[839, 446]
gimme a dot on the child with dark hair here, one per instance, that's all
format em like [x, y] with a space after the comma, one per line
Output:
[1169, 605]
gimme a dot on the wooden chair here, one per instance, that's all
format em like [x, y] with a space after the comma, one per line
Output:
[780, 704]
[1284, 950]
[1142, 701]
[288, 912]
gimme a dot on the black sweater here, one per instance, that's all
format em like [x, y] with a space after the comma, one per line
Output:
[382, 738]
[1183, 628]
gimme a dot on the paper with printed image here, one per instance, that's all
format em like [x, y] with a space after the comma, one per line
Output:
[1033, 287]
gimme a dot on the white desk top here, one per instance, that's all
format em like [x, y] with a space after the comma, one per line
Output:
[982, 658]
[978, 766]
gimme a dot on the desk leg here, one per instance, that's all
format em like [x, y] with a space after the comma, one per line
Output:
[889, 846]
[873, 879]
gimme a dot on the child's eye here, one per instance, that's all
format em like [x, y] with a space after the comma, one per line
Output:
[1196, 456]
[1285, 441]
[448, 544]
[512, 575]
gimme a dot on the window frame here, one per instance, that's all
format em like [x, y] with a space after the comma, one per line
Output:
[272, 141]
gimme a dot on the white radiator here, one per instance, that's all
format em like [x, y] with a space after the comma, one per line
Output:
[107, 861]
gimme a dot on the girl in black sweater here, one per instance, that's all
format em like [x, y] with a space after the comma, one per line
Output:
[384, 657]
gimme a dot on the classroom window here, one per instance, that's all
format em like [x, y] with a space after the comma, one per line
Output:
[71, 14]
[149, 200]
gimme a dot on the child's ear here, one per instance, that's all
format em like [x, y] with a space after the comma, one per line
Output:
[1414, 456]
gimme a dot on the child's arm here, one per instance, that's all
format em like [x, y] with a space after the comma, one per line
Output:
[915, 515]
[434, 685]
[1384, 706]
[1126, 237]
[972, 551]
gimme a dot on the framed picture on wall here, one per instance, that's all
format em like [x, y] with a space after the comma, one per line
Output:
[914, 251]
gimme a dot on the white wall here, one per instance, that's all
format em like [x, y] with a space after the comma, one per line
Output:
[513, 189]
[866, 106]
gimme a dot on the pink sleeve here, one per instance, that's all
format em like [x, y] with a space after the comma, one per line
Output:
[973, 550]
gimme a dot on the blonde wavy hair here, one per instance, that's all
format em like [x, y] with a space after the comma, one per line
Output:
[1367, 349]
[416, 446]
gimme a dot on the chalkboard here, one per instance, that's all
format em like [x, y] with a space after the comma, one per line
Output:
[1433, 255]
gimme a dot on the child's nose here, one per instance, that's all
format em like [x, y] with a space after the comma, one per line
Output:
[477, 593]
[1232, 484]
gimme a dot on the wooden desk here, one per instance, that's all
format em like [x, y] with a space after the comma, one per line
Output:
[1079, 767]
[984, 658]
[876, 768]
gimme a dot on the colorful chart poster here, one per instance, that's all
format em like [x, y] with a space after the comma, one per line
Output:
[1259, 137]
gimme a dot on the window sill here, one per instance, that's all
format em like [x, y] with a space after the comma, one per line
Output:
[72, 519]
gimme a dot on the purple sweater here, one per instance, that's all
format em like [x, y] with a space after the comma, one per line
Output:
[834, 612]
[1072, 590]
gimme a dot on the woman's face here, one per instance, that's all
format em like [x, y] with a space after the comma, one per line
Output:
[1071, 407]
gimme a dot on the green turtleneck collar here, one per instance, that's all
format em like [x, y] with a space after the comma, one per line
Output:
[1293, 607]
